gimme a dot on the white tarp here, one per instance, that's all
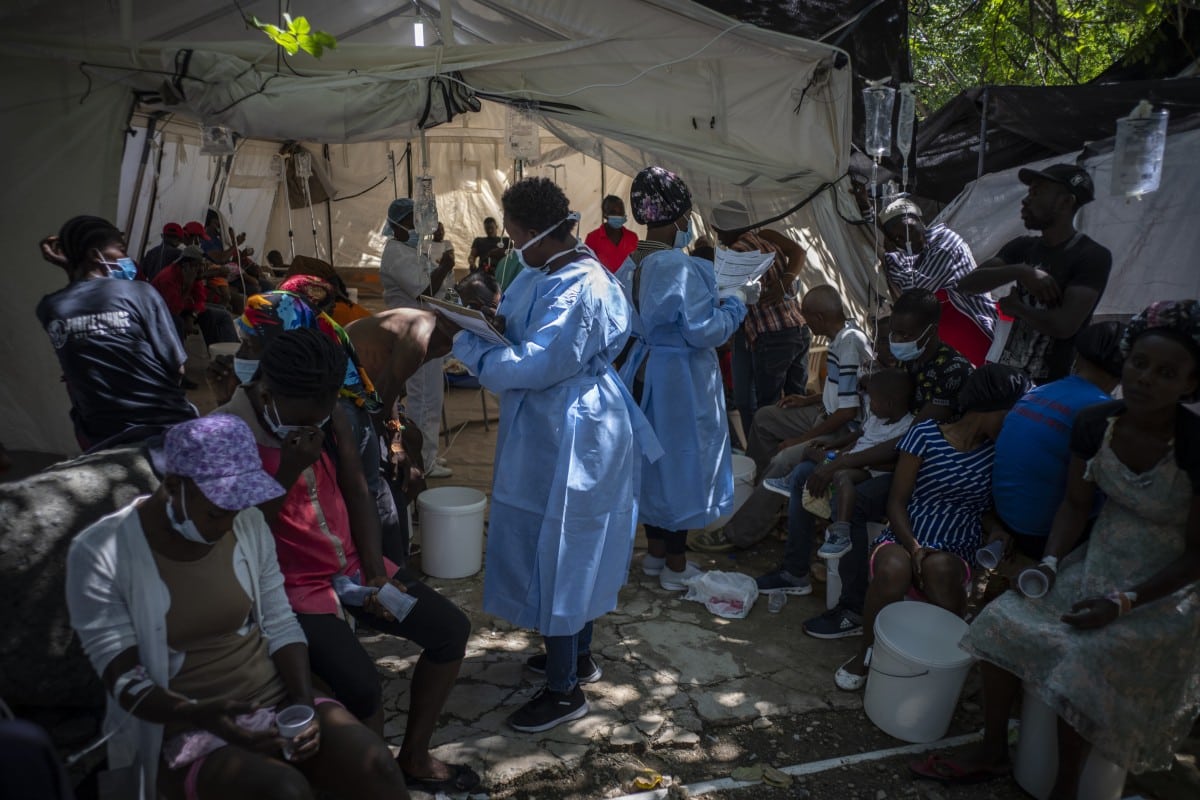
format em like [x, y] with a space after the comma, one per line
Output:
[1153, 240]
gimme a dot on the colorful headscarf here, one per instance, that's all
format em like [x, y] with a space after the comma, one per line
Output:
[1179, 319]
[316, 291]
[270, 313]
[659, 197]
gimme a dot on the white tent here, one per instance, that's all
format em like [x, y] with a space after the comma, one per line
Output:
[741, 112]
[1154, 240]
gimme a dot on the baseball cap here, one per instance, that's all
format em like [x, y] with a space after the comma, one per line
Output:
[899, 208]
[400, 208]
[730, 215]
[173, 229]
[219, 454]
[191, 253]
[1076, 179]
[194, 228]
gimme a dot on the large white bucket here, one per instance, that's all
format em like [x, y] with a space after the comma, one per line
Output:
[1036, 766]
[451, 531]
[917, 671]
[743, 485]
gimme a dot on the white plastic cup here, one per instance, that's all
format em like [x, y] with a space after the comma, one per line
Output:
[293, 721]
[1033, 583]
[989, 557]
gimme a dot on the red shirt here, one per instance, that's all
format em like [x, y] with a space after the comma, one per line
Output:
[169, 283]
[610, 255]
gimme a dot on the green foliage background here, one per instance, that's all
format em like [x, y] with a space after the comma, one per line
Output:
[964, 43]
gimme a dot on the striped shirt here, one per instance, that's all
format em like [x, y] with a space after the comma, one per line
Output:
[942, 263]
[847, 353]
[762, 317]
[952, 490]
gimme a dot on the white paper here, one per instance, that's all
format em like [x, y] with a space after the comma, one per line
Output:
[466, 318]
[738, 269]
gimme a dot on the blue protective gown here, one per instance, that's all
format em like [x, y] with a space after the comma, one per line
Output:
[568, 453]
[680, 322]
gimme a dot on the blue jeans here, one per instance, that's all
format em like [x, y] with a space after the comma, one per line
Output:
[562, 652]
[395, 538]
[798, 550]
[870, 505]
[743, 380]
[780, 364]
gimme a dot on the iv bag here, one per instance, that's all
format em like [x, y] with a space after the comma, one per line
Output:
[302, 160]
[904, 125]
[1138, 152]
[216, 140]
[878, 102]
[425, 213]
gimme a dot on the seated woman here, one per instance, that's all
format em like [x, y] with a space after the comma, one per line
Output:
[1114, 646]
[179, 603]
[942, 484]
[327, 526]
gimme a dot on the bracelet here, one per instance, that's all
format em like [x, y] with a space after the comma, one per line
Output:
[394, 425]
[1050, 563]
[1123, 600]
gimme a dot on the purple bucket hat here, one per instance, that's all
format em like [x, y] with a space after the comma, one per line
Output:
[659, 197]
[219, 454]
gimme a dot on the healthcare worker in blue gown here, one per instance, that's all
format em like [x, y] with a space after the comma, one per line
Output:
[673, 372]
[568, 453]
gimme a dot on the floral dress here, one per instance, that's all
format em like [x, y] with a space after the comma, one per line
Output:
[1132, 687]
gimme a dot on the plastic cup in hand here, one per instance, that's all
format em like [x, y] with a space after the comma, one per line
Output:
[291, 722]
[989, 557]
[1033, 583]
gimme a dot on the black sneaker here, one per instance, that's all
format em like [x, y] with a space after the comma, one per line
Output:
[586, 668]
[548, 709]
[836, 623]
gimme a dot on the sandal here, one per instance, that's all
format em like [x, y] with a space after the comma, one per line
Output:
[846, 680]
[461, 779]
[946, 770]
[711, 542]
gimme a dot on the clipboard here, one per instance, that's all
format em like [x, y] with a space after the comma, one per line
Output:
[466, 318]
[737, 269]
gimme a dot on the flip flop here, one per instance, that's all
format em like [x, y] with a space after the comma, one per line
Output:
[462, 779]
[946, 770]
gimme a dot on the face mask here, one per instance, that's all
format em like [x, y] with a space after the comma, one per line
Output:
[617, 222]
[683, 237]
[245, 368]
[185, 527]
[520, 251]
[278, 428]
[122, 268]
[907, 351]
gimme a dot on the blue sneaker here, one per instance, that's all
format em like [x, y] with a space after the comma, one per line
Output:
[837, 541]
[783, 581]
[778, 486]
[836, 623]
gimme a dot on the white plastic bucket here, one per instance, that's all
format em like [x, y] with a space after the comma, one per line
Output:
[917, 671]
[743, 485]
[223, 349]
[451, 531]
[1036, 766]
[352, 293]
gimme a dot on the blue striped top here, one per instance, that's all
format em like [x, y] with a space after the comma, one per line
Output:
[953, 489]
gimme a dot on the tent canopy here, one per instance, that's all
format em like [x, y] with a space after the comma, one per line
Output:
[740, 112]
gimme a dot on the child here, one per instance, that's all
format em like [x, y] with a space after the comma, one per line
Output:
[888, 417]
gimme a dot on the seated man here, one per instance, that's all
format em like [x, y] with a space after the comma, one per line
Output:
[166, 252]
[182, 286]
[327, 527]
[1033, 450]
[483, 247]
[802, 417]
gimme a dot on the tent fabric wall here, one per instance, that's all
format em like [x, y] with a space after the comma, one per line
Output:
[61, 158]
[1153, 240]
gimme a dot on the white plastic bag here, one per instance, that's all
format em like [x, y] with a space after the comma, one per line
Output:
[726, 594]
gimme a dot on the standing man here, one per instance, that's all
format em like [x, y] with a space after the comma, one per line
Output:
[1060, 275]
[165, 252]
[406, 275]
[612, 242]
[936, 258]
[770, 354]
[480, 256]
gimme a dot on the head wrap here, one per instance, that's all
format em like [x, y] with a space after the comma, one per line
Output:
[899, 208]
[1100, 343]
[659, 197]
[1177, 319]
[399, 208]
[270, 313]
[993, 387]
[316, 291]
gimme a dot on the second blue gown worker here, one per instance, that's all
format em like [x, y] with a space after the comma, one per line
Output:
[568, 452]
[673, 372]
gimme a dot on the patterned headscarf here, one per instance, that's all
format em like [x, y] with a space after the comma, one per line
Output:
[316, 291]
[659, 197]
[1178, 319]
[270, 313]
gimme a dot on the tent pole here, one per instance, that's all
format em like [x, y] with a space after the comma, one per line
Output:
[392, 164]
[329, 206]
[153, 194]
[983, 120]
[603, 183]
[408, 166]
[141, 173]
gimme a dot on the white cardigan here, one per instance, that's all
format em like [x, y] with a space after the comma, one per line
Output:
[117, 600]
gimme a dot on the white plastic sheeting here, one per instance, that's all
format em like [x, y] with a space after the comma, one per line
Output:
[1154, 241]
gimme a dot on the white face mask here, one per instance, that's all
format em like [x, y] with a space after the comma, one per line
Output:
[573, 217]
[271, 417]
[245, 368]
[185, 527]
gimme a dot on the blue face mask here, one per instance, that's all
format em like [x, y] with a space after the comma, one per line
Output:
[123, 268]
[245, 368]
[617, 222]
[907, 351]
[683, 237]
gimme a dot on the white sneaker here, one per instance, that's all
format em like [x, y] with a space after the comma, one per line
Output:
[674, 581]
[439, 461]
[846, 680]
[439, 471]
[653, 566]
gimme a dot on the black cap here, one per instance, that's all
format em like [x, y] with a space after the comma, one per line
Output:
[1076, 179]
